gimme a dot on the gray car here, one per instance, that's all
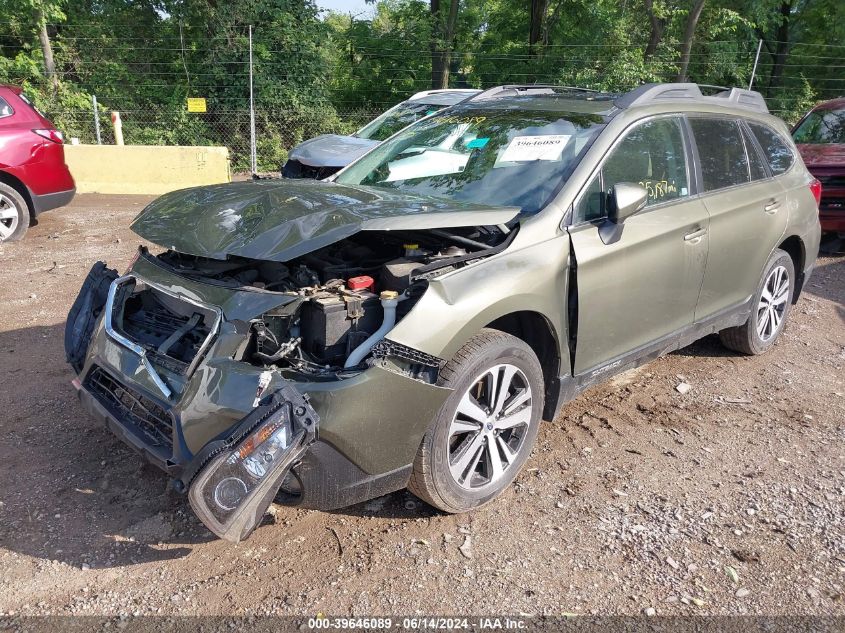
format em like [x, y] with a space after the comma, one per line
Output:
[327, 154]
[411, 323]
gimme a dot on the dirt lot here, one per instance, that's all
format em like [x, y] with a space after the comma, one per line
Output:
[725, 500]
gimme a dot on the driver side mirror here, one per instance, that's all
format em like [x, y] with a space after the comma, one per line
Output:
[624, 200]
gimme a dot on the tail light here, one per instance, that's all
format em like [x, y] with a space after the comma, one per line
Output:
[816, 190]
[51, 135]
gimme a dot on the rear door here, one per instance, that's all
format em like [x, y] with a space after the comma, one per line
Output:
[748, 212]
[638, 284]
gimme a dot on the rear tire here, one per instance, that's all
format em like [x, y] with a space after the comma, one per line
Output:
[770, 309]
[484, 432]
[14, 214]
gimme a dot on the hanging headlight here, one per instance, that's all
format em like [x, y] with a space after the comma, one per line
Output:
[239, 476]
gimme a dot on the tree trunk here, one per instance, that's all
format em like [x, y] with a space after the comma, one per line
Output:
[658, 25]
[551, 22]
[442, 40]
[689, 36]
[535, 30]
[781, 51]
[47, 50]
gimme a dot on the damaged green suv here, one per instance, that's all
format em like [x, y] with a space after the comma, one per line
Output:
[411, 321]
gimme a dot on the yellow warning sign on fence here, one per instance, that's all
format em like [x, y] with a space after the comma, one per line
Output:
[196, 104]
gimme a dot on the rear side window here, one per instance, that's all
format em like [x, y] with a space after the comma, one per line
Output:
[5, 108]
[774, 147]
[721, 152]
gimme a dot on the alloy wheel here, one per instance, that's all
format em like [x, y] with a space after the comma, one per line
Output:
[489, 428]
[772, 306]
[8, 217]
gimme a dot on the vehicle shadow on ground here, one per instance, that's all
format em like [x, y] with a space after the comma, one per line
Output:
[395, 505]
[69, 490]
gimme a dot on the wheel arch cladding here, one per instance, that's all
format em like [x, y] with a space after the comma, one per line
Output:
[538, 333]
[18, 185]
[794, 247]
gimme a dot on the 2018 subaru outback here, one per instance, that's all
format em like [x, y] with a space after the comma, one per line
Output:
[411, 322]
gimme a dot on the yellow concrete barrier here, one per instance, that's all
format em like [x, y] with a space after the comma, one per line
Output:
[145, 169]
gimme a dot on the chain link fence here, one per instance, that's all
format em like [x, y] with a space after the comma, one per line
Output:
[226, 83]
[276, 131]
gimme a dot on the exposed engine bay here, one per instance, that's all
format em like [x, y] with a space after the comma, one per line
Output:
[342, 299]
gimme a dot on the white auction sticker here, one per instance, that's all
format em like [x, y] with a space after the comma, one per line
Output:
[523, 148]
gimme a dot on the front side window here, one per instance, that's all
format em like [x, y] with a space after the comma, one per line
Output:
[774, 147]
[5, 108]
[652, 155]
[395, 119]
[721, 152]
[821, 127]
[500, 157]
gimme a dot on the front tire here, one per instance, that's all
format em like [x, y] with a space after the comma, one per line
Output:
[14, 214]
[484, 432]
[771, 304]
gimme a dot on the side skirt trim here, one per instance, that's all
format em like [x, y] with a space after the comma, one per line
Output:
[571, 386]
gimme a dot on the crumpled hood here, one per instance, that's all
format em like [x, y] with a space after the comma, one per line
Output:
[331, 150]
[283, 219]
[822, 154]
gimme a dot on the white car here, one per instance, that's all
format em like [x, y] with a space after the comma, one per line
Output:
[323, 155]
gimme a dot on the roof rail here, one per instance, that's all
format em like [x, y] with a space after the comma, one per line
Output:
[438, 91]
[651, 93]
[742, 98]
[510, 90]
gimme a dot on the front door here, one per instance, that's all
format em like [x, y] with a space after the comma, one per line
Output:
[638, 283]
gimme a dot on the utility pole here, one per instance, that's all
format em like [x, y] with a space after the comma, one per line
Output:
[253, 154]
[96, 119]
[756, 59]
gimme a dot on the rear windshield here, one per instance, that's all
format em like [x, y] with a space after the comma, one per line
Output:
[5, 108]
[497, 157]
[395, 119]
[821, 127]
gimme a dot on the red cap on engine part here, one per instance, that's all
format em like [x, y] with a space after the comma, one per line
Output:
[364, 282]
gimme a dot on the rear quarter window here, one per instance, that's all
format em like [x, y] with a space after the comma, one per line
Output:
[755, 160]
[774, 147]
[5, 108]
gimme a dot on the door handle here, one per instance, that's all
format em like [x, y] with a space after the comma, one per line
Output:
[772, 206]
[695, 236]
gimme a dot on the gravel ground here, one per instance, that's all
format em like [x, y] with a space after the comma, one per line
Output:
[726, 499]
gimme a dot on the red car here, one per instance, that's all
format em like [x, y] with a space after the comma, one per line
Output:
[33, 174]
[820, 137]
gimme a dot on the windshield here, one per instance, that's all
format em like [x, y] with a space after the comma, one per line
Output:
[395, 119]
[499, 157]
[822, 126]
